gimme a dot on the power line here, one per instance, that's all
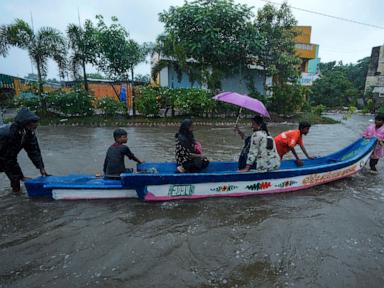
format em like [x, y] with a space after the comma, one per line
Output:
[327, 15]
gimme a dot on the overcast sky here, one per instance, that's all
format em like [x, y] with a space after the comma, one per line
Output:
[338, 40]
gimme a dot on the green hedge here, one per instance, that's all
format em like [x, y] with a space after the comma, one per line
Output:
[110, 106]
[77, 102]
[288, 99]
[197, 102]
[148, 101]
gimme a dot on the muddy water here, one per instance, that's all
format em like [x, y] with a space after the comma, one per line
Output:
[329, 236]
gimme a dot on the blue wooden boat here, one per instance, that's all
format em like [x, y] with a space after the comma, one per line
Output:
[220, 179]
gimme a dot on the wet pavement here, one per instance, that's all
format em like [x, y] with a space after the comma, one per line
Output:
[328, 236]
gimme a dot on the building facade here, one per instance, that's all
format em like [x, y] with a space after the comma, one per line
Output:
[375, 76]
[168, 78]
[305, 50]
[309, 55]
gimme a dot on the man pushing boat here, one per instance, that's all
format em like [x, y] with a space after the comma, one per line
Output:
[287, 141]
[14, 137]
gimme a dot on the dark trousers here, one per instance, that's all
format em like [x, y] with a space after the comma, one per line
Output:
[373, 163]
[196, 164]
[12, 176]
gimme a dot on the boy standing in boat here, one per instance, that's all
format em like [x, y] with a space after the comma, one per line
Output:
[287, 141]
[376, 130]
[114, 160]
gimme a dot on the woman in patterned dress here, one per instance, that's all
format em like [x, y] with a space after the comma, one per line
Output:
[189, 154]
[262, 155]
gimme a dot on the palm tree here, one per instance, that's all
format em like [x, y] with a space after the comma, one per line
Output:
[83, 43]
[138, 53]
[46, 43]
[4, 45]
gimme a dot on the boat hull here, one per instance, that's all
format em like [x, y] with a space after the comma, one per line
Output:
[78, 187]
[246, 188]
[220, 179]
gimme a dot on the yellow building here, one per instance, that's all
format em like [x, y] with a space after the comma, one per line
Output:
[304, 48]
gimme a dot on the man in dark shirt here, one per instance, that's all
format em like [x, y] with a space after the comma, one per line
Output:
[19, 135]
[114, 160]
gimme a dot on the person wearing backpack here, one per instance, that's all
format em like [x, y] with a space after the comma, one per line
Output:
[259, 152]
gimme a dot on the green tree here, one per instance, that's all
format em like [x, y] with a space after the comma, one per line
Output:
[328, 67]
[118, 54]
[333, 89]
[207, 38]
[46, 43]
[340, 85]
[276, 32]
[357, 74]
[4, 44]
[83, 43]
[95, 76]
[142, 78]
[288, 98]
[172, 55]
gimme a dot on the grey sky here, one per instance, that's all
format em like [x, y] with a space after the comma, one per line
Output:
[338, 40]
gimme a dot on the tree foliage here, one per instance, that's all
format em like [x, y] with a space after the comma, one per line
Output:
[288, 98]
[46, 43]
[84, 47]
[110, 106]
[207, 38]
[276, 43]
[143, 78]
[4, 43]
[357, 73]
[189, 101]
[95, 76]
[339, 84]
[118, 54]
[77, 102]
[148, 101]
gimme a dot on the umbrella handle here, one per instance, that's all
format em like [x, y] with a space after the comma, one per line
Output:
[238, 115]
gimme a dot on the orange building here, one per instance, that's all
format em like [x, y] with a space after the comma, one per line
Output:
[97, 87]
[107, 88]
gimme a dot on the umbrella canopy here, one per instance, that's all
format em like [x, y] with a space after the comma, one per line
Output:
[243, 101]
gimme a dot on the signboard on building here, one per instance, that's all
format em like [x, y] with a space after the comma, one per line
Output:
[307, 79]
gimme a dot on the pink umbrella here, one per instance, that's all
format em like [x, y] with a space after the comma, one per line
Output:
[243, 101]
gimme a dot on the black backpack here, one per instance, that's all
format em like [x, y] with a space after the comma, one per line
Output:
[244, 152]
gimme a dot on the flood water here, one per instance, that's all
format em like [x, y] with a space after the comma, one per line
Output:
[328, 236]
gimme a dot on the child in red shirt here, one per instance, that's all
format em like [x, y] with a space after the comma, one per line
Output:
[287, 141]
